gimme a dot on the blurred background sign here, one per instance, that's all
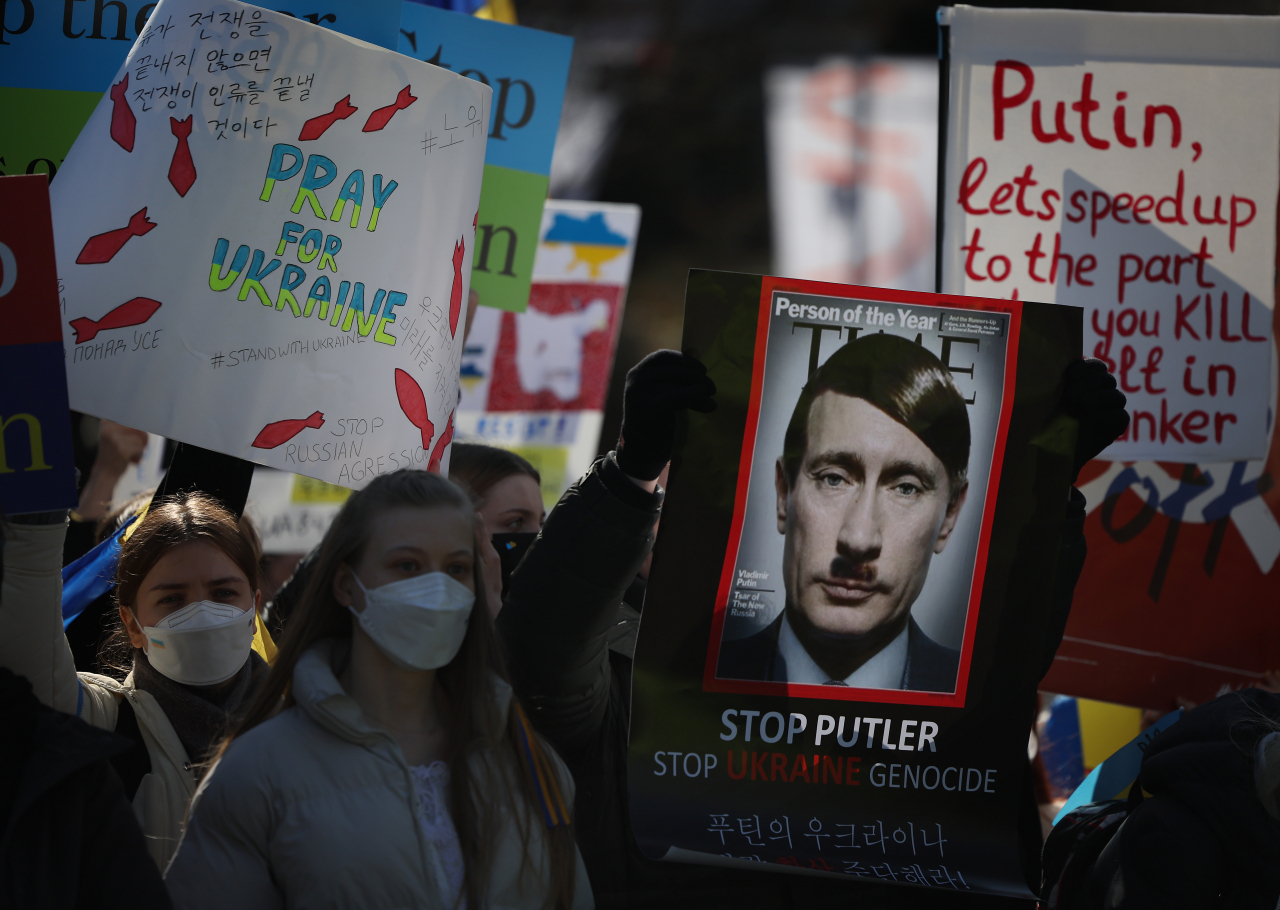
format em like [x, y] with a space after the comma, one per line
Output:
[527, 70]
[291, 511]
[535, 382]
[853, 170]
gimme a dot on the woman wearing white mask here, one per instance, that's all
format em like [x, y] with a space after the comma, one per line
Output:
[187, 586]
[385, 762]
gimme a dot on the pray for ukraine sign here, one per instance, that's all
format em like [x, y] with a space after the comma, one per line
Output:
[253, 259]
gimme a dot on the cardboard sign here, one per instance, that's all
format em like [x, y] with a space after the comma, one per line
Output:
[1147, 219]
[37, 468]
[528, 70]
[836, 663]
[853, 173]
[1129, 169]
[300, 305]
[536, 381]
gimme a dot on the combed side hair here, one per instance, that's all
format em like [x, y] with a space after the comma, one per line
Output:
[905, 381]
[468, 680]
[476, 468]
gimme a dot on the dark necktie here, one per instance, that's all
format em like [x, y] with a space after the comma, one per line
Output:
[123, 123]
[182, 170]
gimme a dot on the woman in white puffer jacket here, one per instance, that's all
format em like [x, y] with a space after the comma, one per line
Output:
[385, 762]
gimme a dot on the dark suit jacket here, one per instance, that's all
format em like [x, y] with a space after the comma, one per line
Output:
[931, 667]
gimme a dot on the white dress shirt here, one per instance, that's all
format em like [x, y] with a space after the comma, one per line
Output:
[883, 671]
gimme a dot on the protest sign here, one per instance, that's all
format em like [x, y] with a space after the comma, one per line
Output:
[1127, 163]
[853, 174]
[528, 70]
[745, 746]
[37, 468]
[292, 511]
[57, 61]
[300, 304]
[1130, 169]
[535, 382]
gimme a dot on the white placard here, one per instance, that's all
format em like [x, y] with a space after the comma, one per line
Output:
[259, 254]
[1127, 164]
[853, 170]
[292, 512]
[536, 381]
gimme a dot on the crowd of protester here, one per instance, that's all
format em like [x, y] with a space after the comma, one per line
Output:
[433, 710]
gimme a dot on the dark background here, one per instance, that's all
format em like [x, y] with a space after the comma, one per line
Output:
[682, 82]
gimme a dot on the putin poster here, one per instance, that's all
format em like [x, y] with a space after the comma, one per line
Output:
[832, 672]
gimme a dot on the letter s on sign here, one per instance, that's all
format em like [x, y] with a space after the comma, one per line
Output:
[8, 270]
[729, 725]
[657, 756]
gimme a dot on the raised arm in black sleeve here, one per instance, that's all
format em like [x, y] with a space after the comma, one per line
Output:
[564, 599]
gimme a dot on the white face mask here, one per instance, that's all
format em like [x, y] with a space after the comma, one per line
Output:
[203, 644]
[418, 622]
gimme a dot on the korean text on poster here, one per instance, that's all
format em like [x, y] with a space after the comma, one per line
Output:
[257, 252]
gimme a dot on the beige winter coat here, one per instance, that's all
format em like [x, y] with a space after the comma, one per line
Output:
[32, 644]
[314, 809]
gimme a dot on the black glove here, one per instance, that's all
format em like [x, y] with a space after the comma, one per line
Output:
[1092, 398]
[658, 388]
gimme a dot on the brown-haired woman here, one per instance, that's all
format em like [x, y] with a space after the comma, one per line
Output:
[386, 763]
[507, 489]
[187, 587]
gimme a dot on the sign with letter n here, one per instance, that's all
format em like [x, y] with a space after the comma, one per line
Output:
[527, 70]
[36, 468]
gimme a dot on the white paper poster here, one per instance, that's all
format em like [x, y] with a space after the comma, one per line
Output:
[536, 381]
[259, 254]
[853, 150]
[1127, 164]
[292, 511]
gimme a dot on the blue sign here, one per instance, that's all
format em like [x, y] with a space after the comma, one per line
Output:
[78, 45]
[37, 472]
[526, 68]
[1115, 775]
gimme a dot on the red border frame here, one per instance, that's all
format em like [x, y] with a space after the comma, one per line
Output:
[1013, 308]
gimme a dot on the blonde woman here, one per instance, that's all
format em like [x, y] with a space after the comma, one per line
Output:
[386, 763]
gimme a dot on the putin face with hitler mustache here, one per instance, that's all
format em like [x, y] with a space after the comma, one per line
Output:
[869, 488]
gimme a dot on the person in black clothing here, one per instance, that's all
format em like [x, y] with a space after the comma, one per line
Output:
[563, 603]
[870, 484]
[68, 836]
[1205, 833]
